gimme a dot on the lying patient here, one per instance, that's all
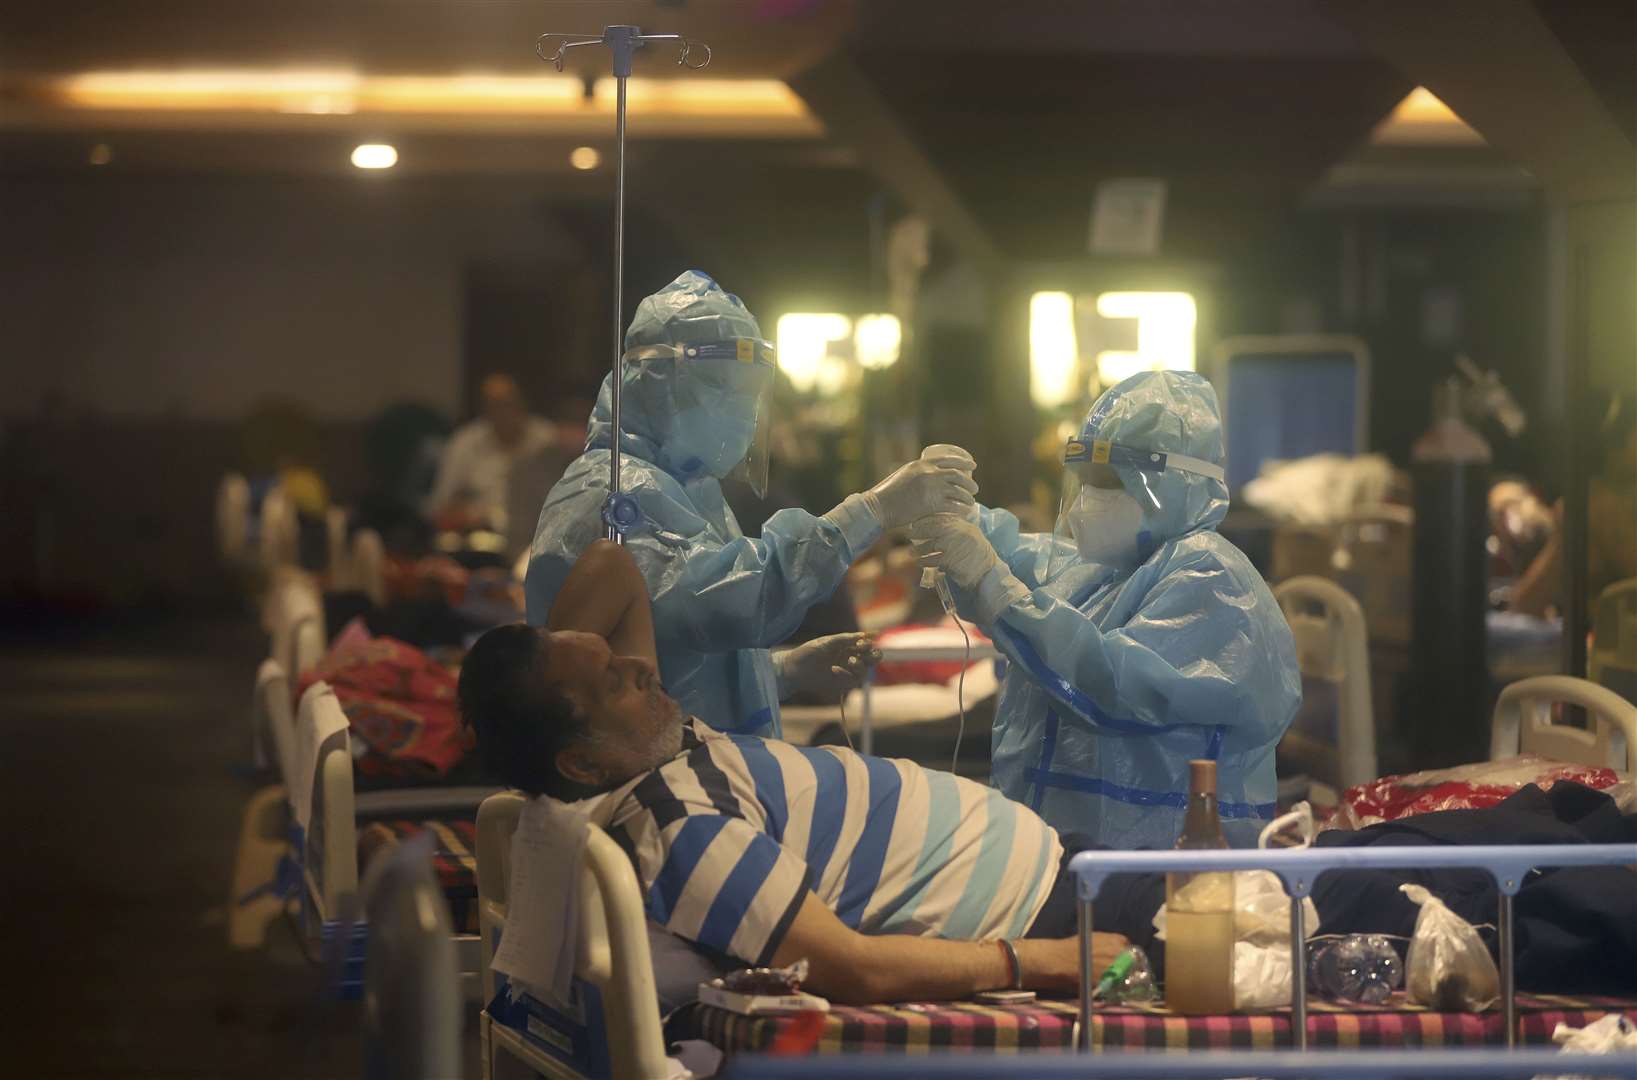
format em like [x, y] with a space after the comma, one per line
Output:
[897, 882]
[893, 881]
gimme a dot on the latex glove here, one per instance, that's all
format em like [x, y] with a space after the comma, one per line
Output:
[952, 543]
[951, 456]
[937, 485]
[826, 666]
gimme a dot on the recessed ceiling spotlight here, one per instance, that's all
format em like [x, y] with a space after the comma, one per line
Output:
[374, 156]
[585, 157]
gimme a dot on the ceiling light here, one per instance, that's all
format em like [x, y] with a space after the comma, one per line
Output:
[290, 90]
[764, 105]
[1421, 119]
[585, 157]
[101, 154]
[374, 156]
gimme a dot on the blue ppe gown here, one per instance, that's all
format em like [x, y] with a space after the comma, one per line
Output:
[720, 599]
[1121, 675]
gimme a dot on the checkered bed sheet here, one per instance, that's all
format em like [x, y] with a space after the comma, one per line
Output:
[1049, 1025]
[454, 860]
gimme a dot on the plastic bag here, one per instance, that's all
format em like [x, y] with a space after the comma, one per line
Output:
[1261, 923]
[1449, 967]
[1612, 1034]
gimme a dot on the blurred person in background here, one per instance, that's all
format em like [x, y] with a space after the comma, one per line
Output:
[402, 448]
[1611, 517]
[470, 490]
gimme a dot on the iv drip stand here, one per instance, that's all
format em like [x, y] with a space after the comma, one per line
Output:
[620, 511]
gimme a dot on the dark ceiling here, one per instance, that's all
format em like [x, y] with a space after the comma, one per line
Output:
[1020, 107]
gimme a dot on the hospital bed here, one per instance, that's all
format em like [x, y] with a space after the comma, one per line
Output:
[1333, 737]
[536, 1034]
[323, 815]
[413, 1013]
[612, 1028]
[915, 721]
[1613, 658]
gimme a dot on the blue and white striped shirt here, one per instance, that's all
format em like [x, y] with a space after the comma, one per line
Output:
[729, 836]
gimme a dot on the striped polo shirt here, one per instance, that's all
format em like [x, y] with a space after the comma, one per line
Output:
[729, 836]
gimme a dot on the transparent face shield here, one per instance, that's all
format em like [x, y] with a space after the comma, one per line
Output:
[722, 408]
[1109, 494]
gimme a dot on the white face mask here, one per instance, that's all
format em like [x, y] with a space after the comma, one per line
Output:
[1105, 523]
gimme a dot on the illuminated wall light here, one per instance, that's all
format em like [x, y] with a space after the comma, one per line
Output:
[1053, 353]
[876, 341]
[374, 156]
[834, 375]
[585, 158]
[1165, 333]
[802, 343]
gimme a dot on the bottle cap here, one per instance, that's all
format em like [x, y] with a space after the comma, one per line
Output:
[1202, 777]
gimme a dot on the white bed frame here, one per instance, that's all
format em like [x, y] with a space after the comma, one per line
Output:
[1523, 723]
[613, 954]
[1333, 643]
[331, 882]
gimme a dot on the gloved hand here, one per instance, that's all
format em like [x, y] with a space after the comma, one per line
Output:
[954, 457]
[826, 666]
[951, 543]
[937, 484]
[954, 544]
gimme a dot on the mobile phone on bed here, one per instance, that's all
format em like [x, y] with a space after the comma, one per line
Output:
[1004, 997]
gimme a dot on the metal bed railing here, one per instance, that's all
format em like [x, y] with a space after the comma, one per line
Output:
[910, 654]
[1297, 870]
[1490, 1064]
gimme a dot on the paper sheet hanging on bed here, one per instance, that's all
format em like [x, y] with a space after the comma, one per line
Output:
[540, 942]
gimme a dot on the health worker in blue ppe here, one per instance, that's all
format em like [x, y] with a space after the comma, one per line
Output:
[694, 385]
[1139, 637]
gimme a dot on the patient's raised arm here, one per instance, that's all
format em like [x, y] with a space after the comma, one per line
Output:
[605, 594]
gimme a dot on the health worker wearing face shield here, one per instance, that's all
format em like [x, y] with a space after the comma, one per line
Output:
[1139, 637]
[694, 390]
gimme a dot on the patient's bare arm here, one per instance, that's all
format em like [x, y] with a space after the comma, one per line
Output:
[605, 594]
[855, 968]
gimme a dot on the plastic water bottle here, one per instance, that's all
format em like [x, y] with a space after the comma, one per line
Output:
[1358, 967]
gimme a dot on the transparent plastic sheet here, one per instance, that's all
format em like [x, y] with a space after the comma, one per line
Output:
[721, 406]
[1449, 968]
[1111, 493]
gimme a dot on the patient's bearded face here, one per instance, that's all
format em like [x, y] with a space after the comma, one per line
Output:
[634, 725]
